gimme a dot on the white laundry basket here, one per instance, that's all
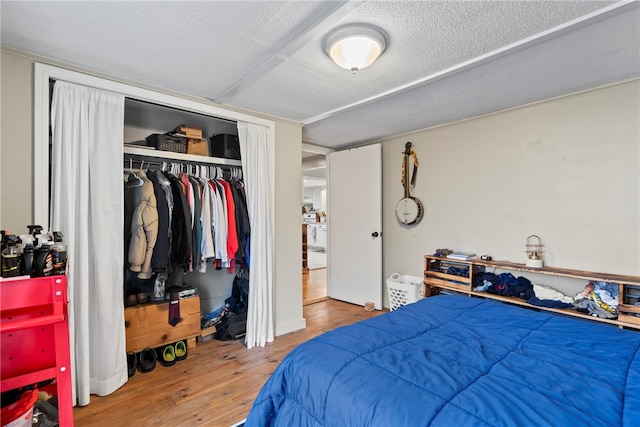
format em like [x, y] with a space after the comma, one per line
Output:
[403, 289]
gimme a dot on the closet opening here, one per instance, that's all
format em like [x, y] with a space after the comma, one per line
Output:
[212, 282]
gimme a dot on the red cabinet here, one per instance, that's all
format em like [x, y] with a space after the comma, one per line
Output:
[35, 337]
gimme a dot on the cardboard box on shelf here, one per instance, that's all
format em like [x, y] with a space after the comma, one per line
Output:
[191, 133]
[199, 147]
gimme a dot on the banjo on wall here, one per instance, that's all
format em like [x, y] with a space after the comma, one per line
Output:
[409, 209]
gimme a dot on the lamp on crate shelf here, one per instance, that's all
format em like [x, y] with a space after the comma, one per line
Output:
[534, 251]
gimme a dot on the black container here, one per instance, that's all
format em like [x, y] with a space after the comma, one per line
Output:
[225, 145]
[27, 260]
[165, 142]
[42, 262]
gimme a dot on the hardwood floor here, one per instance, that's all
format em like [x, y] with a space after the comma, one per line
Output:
[314, 286]
[217, 383]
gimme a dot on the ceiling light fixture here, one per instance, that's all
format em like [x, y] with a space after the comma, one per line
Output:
[356, 46]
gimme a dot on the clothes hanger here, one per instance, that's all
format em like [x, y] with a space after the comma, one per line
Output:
[133, 180]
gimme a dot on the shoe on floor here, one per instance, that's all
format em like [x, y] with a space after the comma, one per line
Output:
[131, 301]
[167, 355]
[181, 350]
[147, 360]
[132, 362]
[142, 298]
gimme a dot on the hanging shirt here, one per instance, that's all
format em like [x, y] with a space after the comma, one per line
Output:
[188, 191]
[160, 257]
[180, 227]
[207, 248]
[244, 226]
[220, 226]
[232, 233]
[168, 194]
[197, 225]
[144, 229]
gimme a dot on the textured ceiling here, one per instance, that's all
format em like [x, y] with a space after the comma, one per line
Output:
[445, 60]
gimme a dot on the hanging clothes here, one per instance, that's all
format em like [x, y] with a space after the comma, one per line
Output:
[232, 235]
[144, 228]
[207, 247]
[160, 257]
[199, 220]
[180, 226]
[221, 226]
[168, 194]
[197, 223]
[242, 221]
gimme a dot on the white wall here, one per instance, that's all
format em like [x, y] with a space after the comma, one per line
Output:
[567, 170]
[288, 258]
[16, 144]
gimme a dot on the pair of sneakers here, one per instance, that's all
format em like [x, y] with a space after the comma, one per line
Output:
[169, 354]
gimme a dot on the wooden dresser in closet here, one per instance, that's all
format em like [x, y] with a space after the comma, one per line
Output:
[147, 325]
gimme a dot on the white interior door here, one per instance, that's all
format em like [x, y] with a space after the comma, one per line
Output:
[355, 225]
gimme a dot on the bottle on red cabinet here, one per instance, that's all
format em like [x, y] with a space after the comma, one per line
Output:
[10, 259]
[58, 254]
[43, 264]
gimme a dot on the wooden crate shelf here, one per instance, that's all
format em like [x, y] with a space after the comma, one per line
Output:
[437, 278]
[147, 325]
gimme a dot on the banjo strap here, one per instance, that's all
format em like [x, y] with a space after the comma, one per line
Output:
[414, 172]
[415, 169]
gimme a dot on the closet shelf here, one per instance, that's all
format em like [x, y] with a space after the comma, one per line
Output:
[169, 155]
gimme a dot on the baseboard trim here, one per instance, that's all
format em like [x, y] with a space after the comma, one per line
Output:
[291, 326]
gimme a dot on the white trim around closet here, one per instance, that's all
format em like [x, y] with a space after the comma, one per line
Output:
[44, 73]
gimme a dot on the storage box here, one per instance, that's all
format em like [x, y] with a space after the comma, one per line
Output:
[166, 142]
[198, 147]
[226, 146]
[191, 133]
[403, 289]
[629, 313]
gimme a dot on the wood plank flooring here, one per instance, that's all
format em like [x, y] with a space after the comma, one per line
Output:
[217, 383]
[314, 286]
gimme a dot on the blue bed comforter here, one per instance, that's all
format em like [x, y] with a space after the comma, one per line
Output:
[458, 361]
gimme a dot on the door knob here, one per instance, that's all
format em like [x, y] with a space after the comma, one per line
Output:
[374, 234]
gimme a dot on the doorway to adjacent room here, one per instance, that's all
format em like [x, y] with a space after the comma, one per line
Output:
[314, 225]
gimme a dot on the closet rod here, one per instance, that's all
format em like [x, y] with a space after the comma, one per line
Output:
[154, 161]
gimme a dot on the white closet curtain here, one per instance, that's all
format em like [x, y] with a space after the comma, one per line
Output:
[257, 153]
[86, 205]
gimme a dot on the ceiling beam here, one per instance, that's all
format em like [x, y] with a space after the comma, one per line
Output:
[303, 34]
[316, 149]
[564, 28]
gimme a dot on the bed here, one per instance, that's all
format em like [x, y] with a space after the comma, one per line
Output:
[453, 360]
